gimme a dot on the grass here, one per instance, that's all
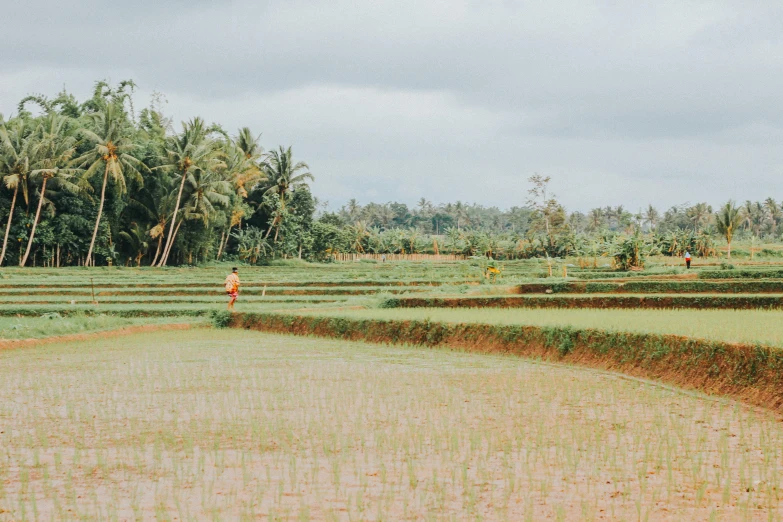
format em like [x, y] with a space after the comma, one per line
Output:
[222, 424]
[55, 324]
[745, 326]
[141, 308]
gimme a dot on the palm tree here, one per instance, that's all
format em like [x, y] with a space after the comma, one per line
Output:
[110, 152]
[237, 213]
[651, 217]
[353, 209]
[774, 213]
[243, 158]
[698, 214]
[243, 161]
[728, 219]
[385, 215]
[425, 207]
[55, 150]
[595, 219]
[205, 190]
[154, 202]
[460, 212]
[284, 175]
[624, 218]
[753, 216]
[191, 151]
[359, 233]
[413, 238]
[135, 237]
[17, 154]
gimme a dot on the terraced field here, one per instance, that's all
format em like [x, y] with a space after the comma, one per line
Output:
[166, 291]
[406, 453]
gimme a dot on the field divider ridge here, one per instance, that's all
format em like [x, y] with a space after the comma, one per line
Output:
[696, 302]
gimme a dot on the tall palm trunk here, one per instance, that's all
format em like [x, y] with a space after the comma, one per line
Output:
[277, 231]
[166, 252]
[35, 223]
[157, 251]
[220, 244]
[279, 217]
[170, 239]
[8, 226]
[100, 212]
[224, 244]
[269, 230]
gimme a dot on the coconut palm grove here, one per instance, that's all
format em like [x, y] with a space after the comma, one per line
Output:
[100, 182]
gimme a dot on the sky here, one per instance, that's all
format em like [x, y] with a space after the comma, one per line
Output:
[619, 102]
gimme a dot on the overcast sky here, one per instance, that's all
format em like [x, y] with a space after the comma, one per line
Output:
[461, 100]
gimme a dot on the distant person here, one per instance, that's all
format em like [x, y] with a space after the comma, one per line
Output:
[232, 288]
[687, 259]
[383, 258]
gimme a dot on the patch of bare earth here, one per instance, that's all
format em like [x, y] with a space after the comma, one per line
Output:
[235, 424]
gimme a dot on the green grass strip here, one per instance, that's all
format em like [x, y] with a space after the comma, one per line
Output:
[699, 302]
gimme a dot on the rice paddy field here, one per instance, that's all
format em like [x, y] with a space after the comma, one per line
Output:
[229, 424]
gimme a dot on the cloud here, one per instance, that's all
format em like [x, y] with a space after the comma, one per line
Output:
[620, 102]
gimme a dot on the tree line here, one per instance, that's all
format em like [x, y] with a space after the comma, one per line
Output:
[542, 227]
[94, 182]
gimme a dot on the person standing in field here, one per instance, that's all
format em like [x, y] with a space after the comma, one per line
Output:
[687, 259]
[232, 288]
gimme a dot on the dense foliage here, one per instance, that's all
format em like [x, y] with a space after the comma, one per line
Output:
[95, 182]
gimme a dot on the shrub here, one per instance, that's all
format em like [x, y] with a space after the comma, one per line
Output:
[220, 318]
[741, 274]
[389, 302]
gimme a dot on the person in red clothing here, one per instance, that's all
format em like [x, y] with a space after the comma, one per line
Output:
[687, 259]
[232, 287]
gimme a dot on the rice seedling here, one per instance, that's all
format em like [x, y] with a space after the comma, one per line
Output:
[228, 424]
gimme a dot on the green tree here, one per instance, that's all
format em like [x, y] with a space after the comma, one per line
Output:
[651, 217]
[55, 151]
[136, 240]
[17, 155]
[243, 161]
[154, 203]
[699, 214]
[548, 210]
[728, 219]
[110, 147]
[284, 175]
[193, 150]
[360, 234]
